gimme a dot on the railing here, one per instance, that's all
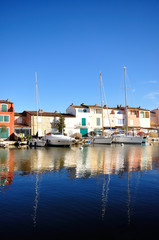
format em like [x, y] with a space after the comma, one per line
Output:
[79, 125]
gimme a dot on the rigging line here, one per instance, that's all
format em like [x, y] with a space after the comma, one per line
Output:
[131, 90]
[107, 108]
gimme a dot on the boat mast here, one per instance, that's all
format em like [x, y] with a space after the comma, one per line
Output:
[126, 117]
[36, 98]
[101, 99]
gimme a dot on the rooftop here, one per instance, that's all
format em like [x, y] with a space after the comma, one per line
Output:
[119, 107]
[46, 114]
[5, 101]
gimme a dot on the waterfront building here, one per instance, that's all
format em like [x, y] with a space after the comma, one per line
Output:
[26, 122]
[85, 119]
[6, 119]
[89, 118]
[138, 119]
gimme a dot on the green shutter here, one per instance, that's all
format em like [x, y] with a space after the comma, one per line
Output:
[6, 118]
[4, 107]
[4, 134]
[83, 121]
[1, 118]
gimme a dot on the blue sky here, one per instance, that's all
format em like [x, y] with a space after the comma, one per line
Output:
[69, 43]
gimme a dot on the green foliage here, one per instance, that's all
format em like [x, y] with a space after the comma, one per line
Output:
[61, 124]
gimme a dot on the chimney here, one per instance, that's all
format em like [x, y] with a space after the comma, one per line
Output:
[7, 99]
[40, 110]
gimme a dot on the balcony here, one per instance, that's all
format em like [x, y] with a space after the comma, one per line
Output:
[80, 125]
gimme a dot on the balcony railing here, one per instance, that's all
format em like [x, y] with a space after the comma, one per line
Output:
[79, 125]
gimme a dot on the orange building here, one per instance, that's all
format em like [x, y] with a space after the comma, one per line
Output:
[6, 119]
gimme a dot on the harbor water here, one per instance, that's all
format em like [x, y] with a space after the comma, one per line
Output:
[95, 192]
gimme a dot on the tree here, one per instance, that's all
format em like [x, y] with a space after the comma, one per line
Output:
[61, 124]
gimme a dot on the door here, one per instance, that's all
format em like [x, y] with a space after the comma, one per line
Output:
[84, 132]
[4, 132]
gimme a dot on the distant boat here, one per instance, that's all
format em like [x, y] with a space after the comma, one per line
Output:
[58, 139]
[125, 138]
[102, 139]
[37, 142]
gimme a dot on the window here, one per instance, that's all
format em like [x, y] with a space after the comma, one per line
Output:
[98, 110]
[39, 119]
[120, 121]
[83, 121]
[131, 122]
[4, 118]
[4, 132]
[82, 110]
[4, 107]
[19, 120]
[147, 114]
[98, 121]
[142, 114]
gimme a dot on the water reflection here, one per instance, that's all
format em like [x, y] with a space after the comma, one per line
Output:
[6, 167]
[112, 177]
[91, 161]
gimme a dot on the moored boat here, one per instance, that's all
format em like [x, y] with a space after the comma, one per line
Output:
[58, 139]
[102, 140]
[37, 142]
[122, 138]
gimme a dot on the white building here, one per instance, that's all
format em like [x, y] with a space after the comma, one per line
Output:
[88, 118]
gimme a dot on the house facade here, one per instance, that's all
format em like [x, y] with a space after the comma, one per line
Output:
[137, 118]
[90, 118]
[85, 119]
[6, 119]
[28, 123]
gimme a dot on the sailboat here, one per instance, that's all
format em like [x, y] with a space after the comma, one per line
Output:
[37, 142]
[125, 138]
[102, 139]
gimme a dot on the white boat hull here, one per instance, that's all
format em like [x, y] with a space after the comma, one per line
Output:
[58, 140]
[37, 143]
[102, 140]
[127, 139]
